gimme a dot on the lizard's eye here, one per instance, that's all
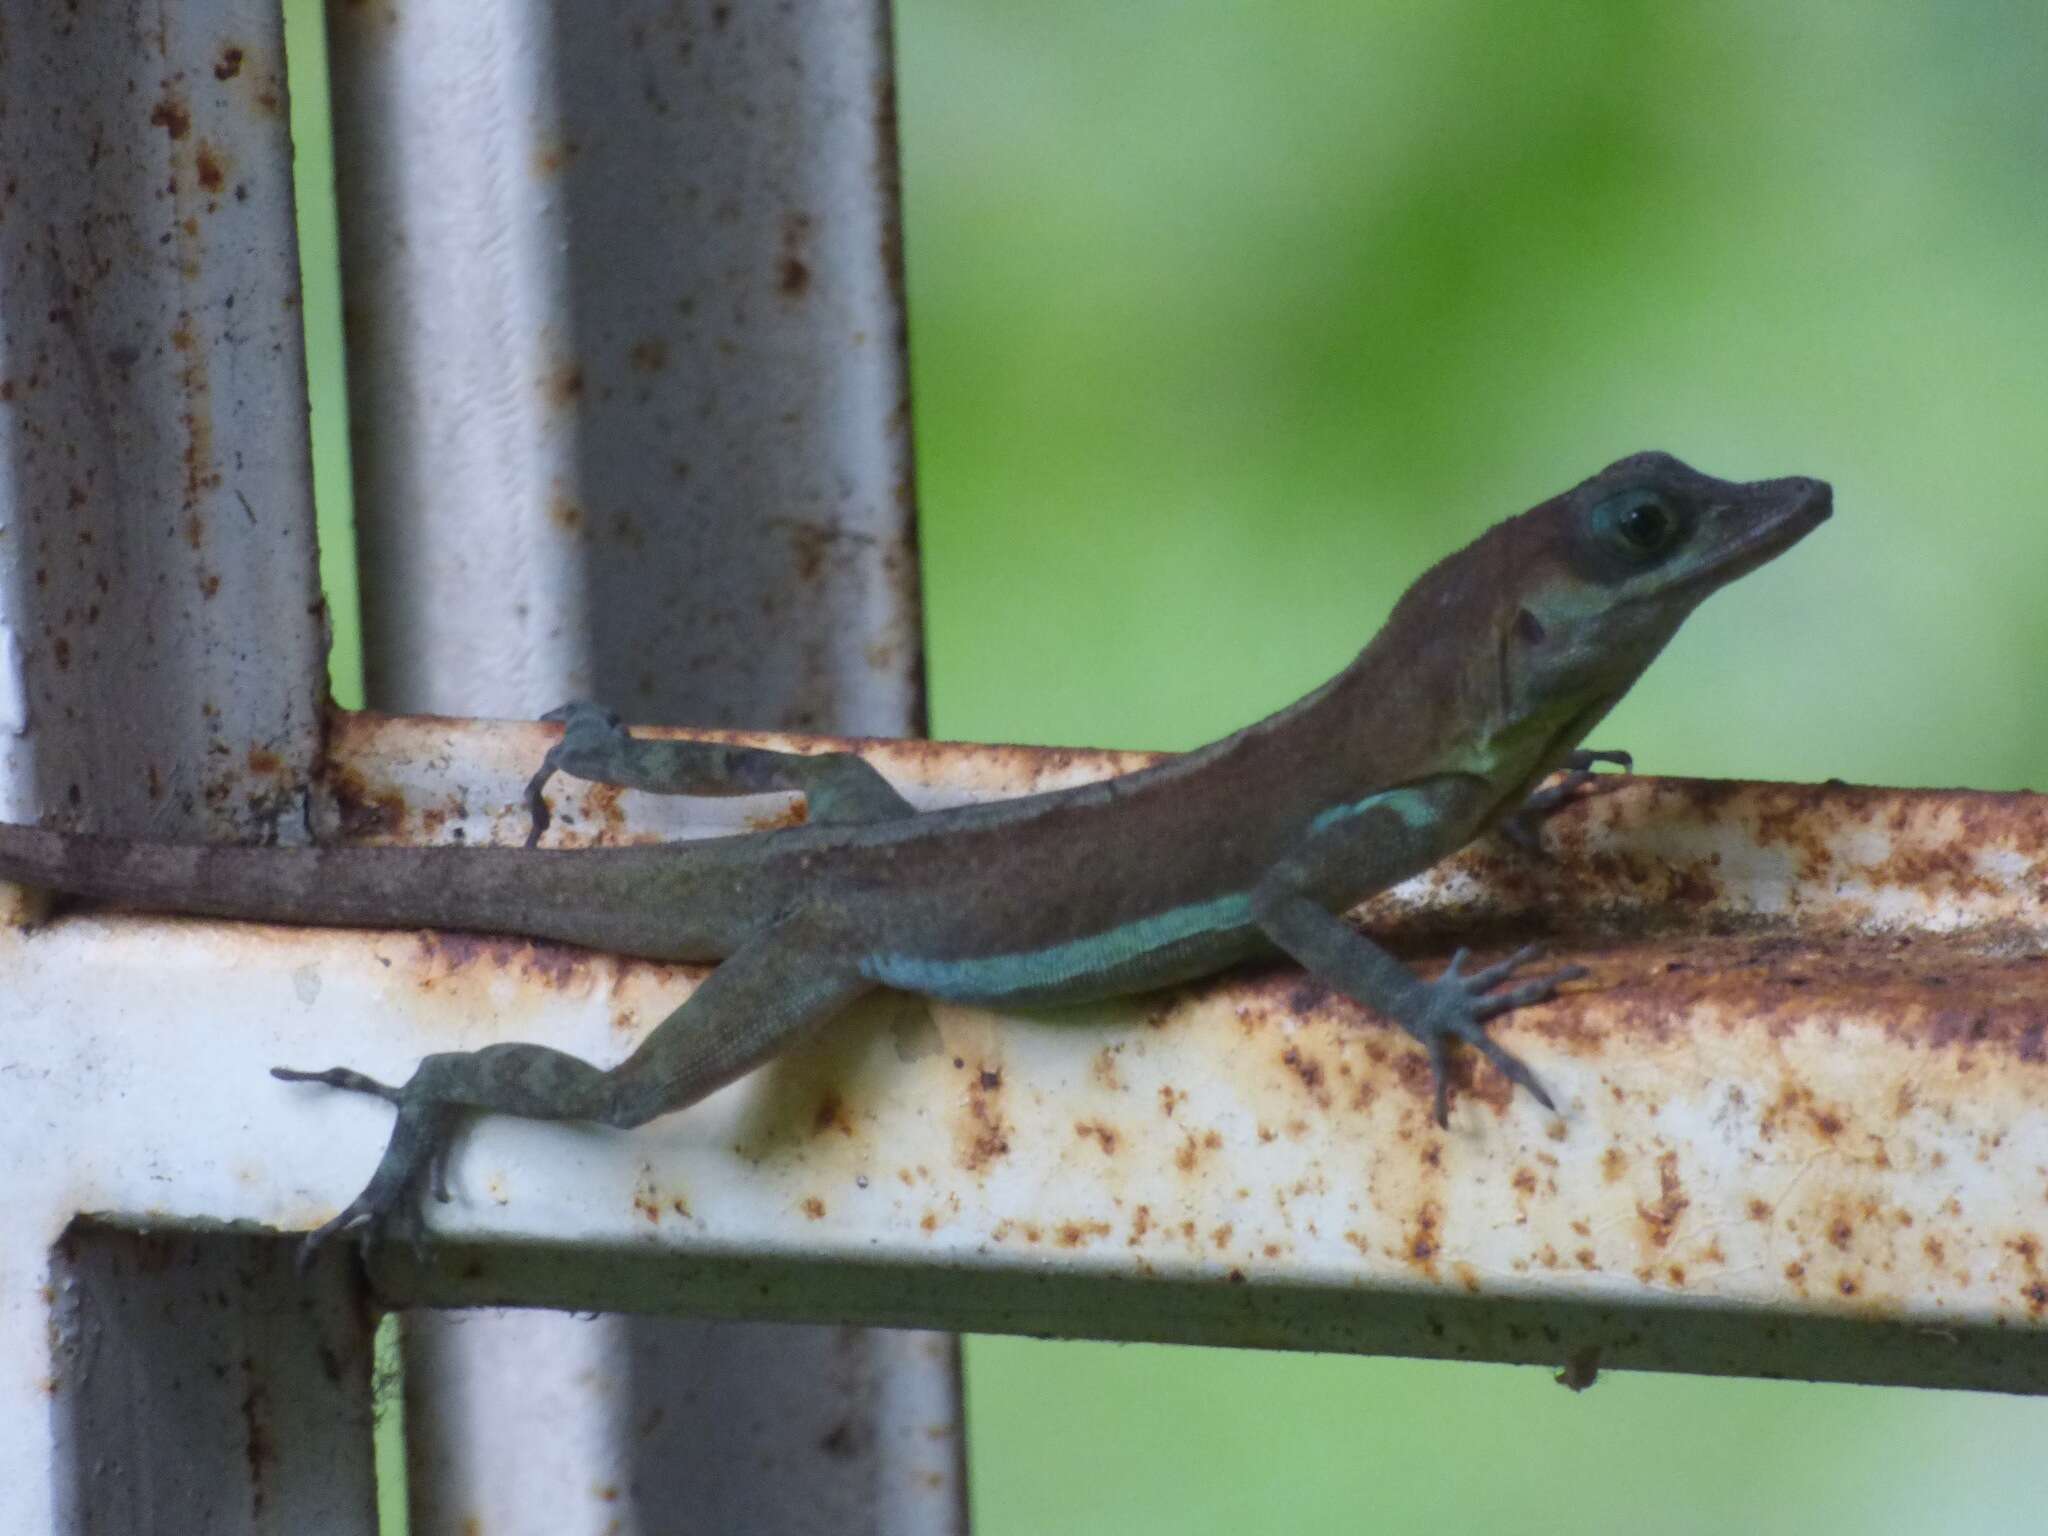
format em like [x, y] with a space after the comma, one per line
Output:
[1638, 525]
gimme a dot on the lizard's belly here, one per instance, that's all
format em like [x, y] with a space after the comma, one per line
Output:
[1156, 951]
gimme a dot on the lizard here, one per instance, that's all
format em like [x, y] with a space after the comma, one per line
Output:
[1489, 672]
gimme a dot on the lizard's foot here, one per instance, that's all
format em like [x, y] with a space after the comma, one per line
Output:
[1456, 1006]
[388, 1207]
[584, 725]
[1523, 828]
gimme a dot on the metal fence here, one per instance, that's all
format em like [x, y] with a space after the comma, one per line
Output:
[626, 362]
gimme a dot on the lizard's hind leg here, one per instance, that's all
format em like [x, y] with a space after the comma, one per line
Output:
[837, 786]
[777, 989]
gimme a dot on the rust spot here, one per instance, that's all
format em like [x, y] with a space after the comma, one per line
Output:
[1141, 1223]
[1422, 1244]
[564, 387]
[171, 115]
[1759, 1210]
[208, 165]
[984, 1135]
[1582, 1369]
[1222, 1235]
[229, 64]
[831, 1115]
[1661, 1219]
[1105, 1137]
[1309, 1070]
[366, 815]
[793, 271]
[649, 354]
[259, 1443]
[549, 965]
[814, 1208]
[1076, 1234]
[550, 158]
[1613, 1164]
[1104, 1068]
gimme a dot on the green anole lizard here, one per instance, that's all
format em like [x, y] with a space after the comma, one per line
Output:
[1490, 671]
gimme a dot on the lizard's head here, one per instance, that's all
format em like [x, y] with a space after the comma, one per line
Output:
[1630, 553]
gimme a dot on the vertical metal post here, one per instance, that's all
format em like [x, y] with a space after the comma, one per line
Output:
[161, 673]
[626, 351]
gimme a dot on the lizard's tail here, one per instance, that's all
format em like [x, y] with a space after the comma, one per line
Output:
[491, 890]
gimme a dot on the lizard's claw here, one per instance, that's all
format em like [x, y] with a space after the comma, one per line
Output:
[1458, 1006]
[1523, 827]
[388, 1207]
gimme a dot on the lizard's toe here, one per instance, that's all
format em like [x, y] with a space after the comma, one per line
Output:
[1463, 1003]
[339, 1077]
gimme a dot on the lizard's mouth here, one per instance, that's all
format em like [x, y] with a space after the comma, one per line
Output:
[1773, 516]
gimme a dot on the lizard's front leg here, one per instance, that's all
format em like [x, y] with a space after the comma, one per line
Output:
[1523, 827]
[779, 988]
[836, 786]
[1455, 1006]
[1368, 846]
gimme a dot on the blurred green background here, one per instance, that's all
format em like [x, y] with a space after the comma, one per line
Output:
[1226, 319]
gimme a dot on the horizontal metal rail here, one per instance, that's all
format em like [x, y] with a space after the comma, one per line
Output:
[1803, 1095]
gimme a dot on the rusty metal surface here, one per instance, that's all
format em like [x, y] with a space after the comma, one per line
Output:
[624, 286]
[208, 1387]
[154, 481]
[1804, 1097]
[1807, 1076]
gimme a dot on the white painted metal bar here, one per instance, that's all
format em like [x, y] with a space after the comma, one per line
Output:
[1804, 1121]
[161, 674]
[626, 348]
[1804, 1104]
